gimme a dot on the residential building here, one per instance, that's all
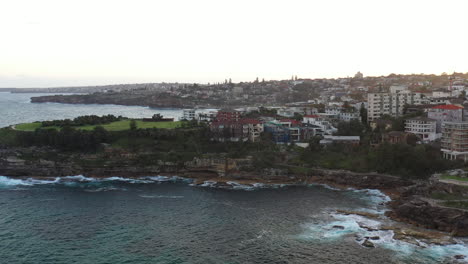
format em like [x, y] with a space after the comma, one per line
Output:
[395, 137]
[441, 93]
[241, 130]
[455, 140]
[207, 116]
[188, 114]
[423, 127]
[392, 104]
[348, 116]
[229, 116]
[320, 122]
[445, 113]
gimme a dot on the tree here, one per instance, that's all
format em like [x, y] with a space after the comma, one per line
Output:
[133, 125]
[351, 128]
[363, 114]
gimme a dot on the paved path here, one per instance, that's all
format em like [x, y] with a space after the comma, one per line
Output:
[463, 183]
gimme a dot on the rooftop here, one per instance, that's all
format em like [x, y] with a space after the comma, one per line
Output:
[448, 107]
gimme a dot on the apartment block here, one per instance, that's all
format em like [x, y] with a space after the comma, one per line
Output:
[455, 140]
[392, 104]
[423, 127]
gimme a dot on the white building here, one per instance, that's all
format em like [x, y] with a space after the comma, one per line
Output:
[440, 94]
[320, 122]
[389, 103]
[188, 114]
[207, 116]
[348, 116]
[423, 127]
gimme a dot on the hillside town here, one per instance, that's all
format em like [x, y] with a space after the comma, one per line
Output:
[424, 109]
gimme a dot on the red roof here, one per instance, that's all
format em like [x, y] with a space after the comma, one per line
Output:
[447, 107]
[250, 121]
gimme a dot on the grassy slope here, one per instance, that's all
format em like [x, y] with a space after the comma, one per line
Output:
[28, 126]
[114, 126]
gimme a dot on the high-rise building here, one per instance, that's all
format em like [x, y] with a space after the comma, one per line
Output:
[392, 104]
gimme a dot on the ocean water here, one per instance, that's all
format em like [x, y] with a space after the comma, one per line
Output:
[168, 220]
[159, 219]
[17, 108]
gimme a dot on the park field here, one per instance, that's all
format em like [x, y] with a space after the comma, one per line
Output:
[114, 126]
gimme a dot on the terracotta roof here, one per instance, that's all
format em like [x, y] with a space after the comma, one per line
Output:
[250, 121]
[448, 107]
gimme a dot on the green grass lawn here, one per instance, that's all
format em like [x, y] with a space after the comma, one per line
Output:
[114, 126]
[28, 126]
[450, 177]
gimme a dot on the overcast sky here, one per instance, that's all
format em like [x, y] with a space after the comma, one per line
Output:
[86, 42]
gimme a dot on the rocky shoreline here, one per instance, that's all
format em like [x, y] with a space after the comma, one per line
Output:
[410, 203]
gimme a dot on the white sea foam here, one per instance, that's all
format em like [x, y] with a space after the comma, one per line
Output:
[360, 227]
[79, 178]
[5, 181]
[326, 186]
[162, 196]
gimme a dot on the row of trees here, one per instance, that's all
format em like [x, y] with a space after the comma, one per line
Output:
[412, 161]
[67, 138]
[83, 120]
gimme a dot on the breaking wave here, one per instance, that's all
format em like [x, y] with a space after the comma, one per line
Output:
[338, 226]
[6, 182]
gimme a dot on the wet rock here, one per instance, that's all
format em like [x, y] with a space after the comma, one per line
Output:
[365, 214]
[368, 244]
[338, 227]
[374, 238]
[368, 228]
[459, 257]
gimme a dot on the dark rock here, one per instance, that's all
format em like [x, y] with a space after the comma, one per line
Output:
[459, 257]
[338, 227]
[368, 244]
[423, 212]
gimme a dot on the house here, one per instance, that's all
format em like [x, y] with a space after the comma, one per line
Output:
[423, 127]
[207, 116]
[240, 130]
[395, 137]
[321, 122]
[228, 116]
[348, 116]
[252, 128]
